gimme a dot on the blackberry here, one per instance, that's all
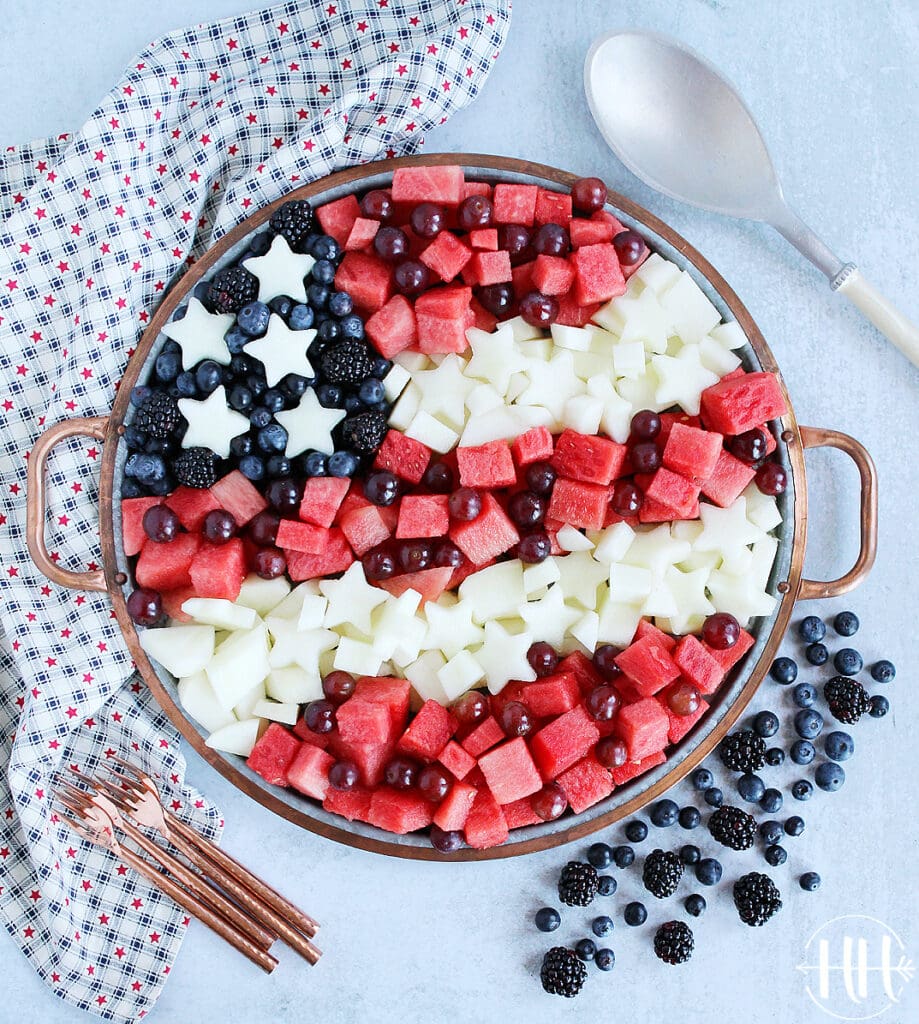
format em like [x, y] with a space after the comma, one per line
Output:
[847, 699]
[157, 415]
[231, 289]
[578, 884]
[732, 827]
[662, 873]
[562, 973]
[348, 362]
[673, 942]
[196, 467]
[756, 898]
[294, 220]
[743, 751]
[364, 432]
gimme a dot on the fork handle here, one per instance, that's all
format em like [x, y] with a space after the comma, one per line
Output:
[270, 897]
[199, 910]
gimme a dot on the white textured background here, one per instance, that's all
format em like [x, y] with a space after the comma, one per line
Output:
[836, 88]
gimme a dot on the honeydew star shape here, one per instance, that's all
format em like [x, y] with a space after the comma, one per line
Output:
[552, 383]
[200, 335]
[726, 529]
[549, 618]
[351, 600]
[579, 576]
[444, 389]
[503, 657]
[309, 425]
[656, 550]
[739, 595]
[280, 271]
[645, 320]
[450, 628]
[282, 351]
[617, 412]
[688, 589]
[495, 357]
[294, 646]
[211, 422]
[682, 379]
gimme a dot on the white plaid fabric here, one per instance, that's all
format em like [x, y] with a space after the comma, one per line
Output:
[205, 126]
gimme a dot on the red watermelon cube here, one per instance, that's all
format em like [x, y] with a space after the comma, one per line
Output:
[423, 515]
[448, 303]
[353, 804]
[456, 760]
[430, 583]
[647, 628]
[632, 769]
[365, 721]
[476, 188]
[297, 536]
[483, 320]
[534, 445]
[668, 419]
[446, 256]
[589, 232]
[301, 565]
[392, 328]
[583, 669]
[404, 456]
[647, 663]
[552, 208]
[515, 204]
[394, 694]
[272, 754]
[579, 504]
[218, 570]
[487, 536]
[572, 314]
[484, 239]
[729, 657]
[453, 810]
[132, 522]
[322, 498]
[674, 492]
[697, 665]
[362, 233]
[552, 275]
[522, 278]
[239, 497]
[681, 724]
[428, 732]
[727, 480]
[191, 505]
[585, 784]
[399, 812]
[510, 772]
[593, 460]
[429, 184]
[485, 825]
[483, 737]
[364, 528]
[486, 465]
[644, 727]
[173, 601]
[337, 218]
[488, 268]
[367, 279]
[552, 695]
[165, 566]
[741, 403]
[309, 771]
[598, 276]
[563, 742]
[692, 452]
[438, 337]
[520, 813]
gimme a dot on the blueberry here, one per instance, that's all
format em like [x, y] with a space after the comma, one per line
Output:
[282, 305]
[353, 404]
[277, 466]
[636, 831]
[635, 914]
[179, 312]
[883, 671]
[272, 438]
[751, 788]
[623, 856]
[817, 654]
[160, 446]
[547, 919]
[880, 705]
[273, 400]
[784, 671]
[371, 391]
[208, 376]
[160, 488]
[771, 801]
[770, 832]
[329, 395]
[601, 926]
[839, 746]
[702, 779]
[848, 661]
[315, 464]
[252, 467]
[261, 243]
[135, 439]
[343, 464]
[690, 854]
[253, 319]
[201, 289]
[241, 364]
[317, 295]
[605, 959]
[774, 756]
[324, 248]
[803, 752]
[352, 327]
[323, 272]
[690, 817]
[794, 825]
[301, 317]
[776, 855]
[329, 331]
[811, 629]
[257, 384]
[766, 724]
[804, 695]
[147, 469]
[600, 855]
[131, 488]
[236, 339]
[381, 367]
[186, 384]
[708, 871]
[664, 813]
[340, 304]
[809, 881]
[167, 366]
[846, 623]
[260, 417]
[138, 394]
[586, 949]
[240, 398]
[713, 796]
[294, 386]
[608, 885]
[695, 904]
[808, 724]
[241, 445]
[802, 790]
[829, 776]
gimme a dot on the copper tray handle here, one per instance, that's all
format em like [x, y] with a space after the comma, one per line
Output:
[93, 426]
[817, 437]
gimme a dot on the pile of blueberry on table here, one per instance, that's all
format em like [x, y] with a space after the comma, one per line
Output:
[744, 812]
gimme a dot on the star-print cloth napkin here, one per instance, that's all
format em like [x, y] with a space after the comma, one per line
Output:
[205, 126]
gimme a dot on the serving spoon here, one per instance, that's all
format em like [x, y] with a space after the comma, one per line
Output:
[681, 128]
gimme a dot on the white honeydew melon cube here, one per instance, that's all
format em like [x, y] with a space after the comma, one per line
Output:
[717, 358]
[348, 629]
[686, 529]
[583, 414]
[660, 601]
[539, 350]
[431, 432]
[275, 711]
[736, 560]
[656, 549]
[617, 411]
[199, 701]
[395, 381]
[535, 416]
[700, 560]
[483, 398]
[262, 596]
[357, 657]
[497, 424]
[762, 509]
[423, 675]
[291, 606]
[539, 576]
[325, 663]
[495, 591]
[570, 538]
[577, 339]
[729, 334]
[739, 595]
[613, 543]
[602, 342]
[629, 359]
[405, 409]
[677, 626]
[293, 685]
[522, 330]
[692, 312]
[762, 559]
[629, 584]
[516, 386]
[181, 650]
[215, 611]
[245, 708]
[609, 316]
[459, 674]
[589, 364]
[675, 346]
[682, 380]
[312, 611]
[580, 574]
[399, 632]
[586, 630]
[688, 590]
[236, 738]
[239, 664]
[617, 621]
[412, 360]
[657, 273]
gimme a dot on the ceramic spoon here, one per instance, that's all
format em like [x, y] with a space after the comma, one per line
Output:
[682, 129]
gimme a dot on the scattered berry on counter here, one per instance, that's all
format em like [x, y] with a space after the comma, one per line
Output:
[802, 790]
[817, 654]
[607, 885]
[771, 832]
[846, 624]
[784, 671]
[623, 856]
[635, 914]
[812, 629]
[585, 949]
[673, 942]
[829, 776]
[661, 873]
[690, 818]
[562, 973]
[708, 871]
[774, 757]
[664, 813]
[802, 752]
[880, 705]
[808, 724]
[751, 788]
[775, 855]
[732, 827]
[636, 831]
[771, 800]
[839, 746]
[847, 661]
[702, 779]
[756, 898]
[605, 959]
[794, 826]
[602, 926]
[690, 854]
[713, 796]
[846, 699]
[883, 671]
[600, 855]
[547, 919]
[742, 751]
[695, 904]
[804, 695]
[766, 724]
[578, 884]
[809, 881]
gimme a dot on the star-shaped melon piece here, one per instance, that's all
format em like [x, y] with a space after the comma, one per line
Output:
[282, 351]
[309, 425]
[280, 271]
[200, 335]
[450, 627]
[503, 656]
[444, 390]
[351, 599]
[549, 618]
[211, 422]
[495, 357]
[682, 379]
[301, 647]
